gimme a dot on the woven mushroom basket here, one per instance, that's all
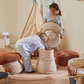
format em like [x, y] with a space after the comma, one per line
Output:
[46, 62]
[11, 60]
[16, 66]
[53, 32]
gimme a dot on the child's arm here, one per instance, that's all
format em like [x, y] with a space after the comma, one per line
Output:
[45, 20]
[61, 24]
[39, 45]
[43, 49]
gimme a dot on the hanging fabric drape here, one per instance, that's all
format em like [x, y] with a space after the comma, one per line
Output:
[34, 21]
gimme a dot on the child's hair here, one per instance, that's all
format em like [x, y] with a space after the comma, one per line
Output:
[43, 36]
[54, 5]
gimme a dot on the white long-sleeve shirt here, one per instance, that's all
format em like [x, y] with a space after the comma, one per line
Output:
[31, 43]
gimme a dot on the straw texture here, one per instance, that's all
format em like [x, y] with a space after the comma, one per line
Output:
[53, 31]
[46, 62]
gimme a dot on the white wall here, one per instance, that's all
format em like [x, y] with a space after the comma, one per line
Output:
[8, 17]
[23, 10]
[13, 17]
[74, 25]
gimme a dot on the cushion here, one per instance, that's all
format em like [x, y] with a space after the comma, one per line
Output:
[53, 31]
[62, 57]
[8, 57]
[2, 52]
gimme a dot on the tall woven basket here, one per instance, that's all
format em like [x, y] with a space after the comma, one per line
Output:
[46, 62]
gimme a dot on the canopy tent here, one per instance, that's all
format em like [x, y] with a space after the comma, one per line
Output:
[34, 21]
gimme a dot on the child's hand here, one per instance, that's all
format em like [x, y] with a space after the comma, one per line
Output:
[61, 36]
[43, 49]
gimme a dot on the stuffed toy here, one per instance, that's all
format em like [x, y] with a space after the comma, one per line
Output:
[11, 62]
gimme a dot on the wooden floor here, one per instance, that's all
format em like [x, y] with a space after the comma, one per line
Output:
[61, 80]
[7, 49]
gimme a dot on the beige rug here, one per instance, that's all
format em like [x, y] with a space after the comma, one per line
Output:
[61, 71]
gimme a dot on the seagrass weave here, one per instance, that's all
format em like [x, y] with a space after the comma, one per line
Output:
[46, 62]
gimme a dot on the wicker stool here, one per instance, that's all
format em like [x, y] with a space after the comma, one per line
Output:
[62, 57]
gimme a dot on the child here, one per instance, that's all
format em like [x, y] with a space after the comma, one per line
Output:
[55, 16]
[28, 45]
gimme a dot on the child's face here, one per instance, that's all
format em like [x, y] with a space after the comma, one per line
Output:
[53, 11]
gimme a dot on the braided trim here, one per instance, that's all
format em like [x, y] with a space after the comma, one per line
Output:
[46, 59]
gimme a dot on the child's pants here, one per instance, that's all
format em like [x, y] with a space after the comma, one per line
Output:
[26, 57]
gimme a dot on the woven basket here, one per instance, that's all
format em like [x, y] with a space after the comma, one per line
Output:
[16, 66]
[46, 62]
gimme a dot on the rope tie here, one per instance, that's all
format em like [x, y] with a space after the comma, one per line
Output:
[34, 1]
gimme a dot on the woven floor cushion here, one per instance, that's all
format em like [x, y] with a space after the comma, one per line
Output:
[62, 57]
[10, 60]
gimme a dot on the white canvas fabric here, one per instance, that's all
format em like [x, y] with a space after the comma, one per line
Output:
[34, 22]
